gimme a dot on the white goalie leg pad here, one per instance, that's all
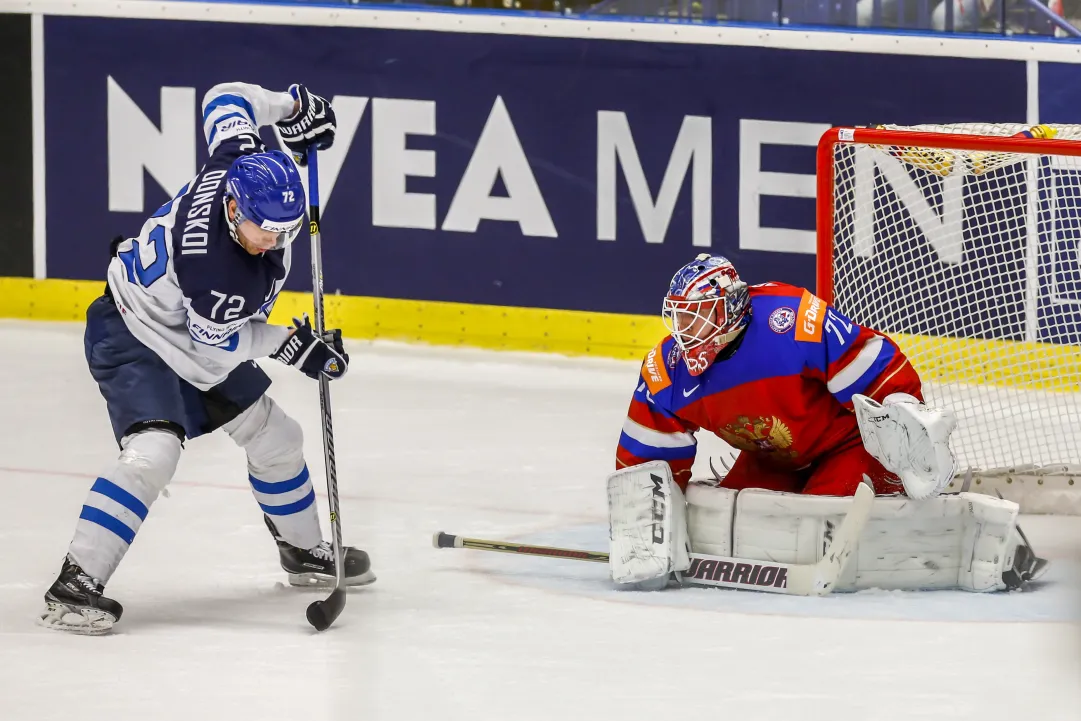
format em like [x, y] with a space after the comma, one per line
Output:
[278, 475]
[785, 527]
[647, 523]
[709, 518]
[966, 541]
[910, 439]
[990, 542]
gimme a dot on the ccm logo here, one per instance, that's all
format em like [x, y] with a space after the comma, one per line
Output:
[658, 509]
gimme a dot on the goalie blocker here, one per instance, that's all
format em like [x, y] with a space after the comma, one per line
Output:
[966, 541]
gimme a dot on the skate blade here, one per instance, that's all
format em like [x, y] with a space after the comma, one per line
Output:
[73, 619]
[1038, 569]
[321, 580]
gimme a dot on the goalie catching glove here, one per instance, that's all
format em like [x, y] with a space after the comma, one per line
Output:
[910, 439]
[314, 355]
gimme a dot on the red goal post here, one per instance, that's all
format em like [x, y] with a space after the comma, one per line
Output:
[963, 243]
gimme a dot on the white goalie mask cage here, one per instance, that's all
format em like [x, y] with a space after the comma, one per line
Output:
[706, 308]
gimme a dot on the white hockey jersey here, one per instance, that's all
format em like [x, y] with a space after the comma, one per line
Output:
[184, 287]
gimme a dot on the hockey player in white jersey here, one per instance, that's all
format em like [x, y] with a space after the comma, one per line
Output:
[173, 342]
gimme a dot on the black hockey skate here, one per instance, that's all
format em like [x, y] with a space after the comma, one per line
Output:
[1027, 566]
[74, 603]
[315, 567]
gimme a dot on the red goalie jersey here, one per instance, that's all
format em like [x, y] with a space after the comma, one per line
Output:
[777, 385]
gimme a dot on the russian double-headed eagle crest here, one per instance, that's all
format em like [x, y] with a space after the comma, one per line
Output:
[762, 435]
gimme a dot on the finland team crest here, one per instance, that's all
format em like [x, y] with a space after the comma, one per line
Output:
[782, 320]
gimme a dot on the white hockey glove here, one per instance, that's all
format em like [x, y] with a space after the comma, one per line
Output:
[647, 524]
[909, 439]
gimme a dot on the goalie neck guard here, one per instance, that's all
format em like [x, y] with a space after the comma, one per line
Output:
[706, 308]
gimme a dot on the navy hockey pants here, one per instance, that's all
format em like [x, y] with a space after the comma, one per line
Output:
[142, 391]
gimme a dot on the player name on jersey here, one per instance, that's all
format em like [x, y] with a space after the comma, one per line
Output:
[195, 238]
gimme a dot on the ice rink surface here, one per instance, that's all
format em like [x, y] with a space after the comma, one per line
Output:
[494, 445]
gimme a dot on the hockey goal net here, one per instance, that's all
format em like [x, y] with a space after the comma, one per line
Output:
[961, 242]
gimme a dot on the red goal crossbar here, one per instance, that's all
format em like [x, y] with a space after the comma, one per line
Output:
[902, 138]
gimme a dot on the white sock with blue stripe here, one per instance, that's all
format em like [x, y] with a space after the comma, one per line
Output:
[290, 503]
[279, 478]
[119, 501]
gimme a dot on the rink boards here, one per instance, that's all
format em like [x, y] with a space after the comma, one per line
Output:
[498, 180]
[570, 332]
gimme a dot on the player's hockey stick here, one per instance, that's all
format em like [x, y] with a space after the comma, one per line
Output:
[813, 579]
[446, 540]
[323, 613]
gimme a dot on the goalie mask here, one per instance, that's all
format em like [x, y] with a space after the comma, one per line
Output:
[706, 308]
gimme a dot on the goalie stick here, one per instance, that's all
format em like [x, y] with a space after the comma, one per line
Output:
[321, 614]
[812, 579]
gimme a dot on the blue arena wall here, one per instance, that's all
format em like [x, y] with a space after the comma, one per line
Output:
[496, 161]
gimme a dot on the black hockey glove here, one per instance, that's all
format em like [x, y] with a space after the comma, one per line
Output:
[313, 124]
[313, 355]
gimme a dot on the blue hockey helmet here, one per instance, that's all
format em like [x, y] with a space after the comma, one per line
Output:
[268, 192]
[706, 308]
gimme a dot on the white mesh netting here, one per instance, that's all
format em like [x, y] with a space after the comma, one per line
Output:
[970, 260]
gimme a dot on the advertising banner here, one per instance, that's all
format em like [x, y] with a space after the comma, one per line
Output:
[494, 169]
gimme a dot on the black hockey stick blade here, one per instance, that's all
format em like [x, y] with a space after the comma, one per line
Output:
[321, 614]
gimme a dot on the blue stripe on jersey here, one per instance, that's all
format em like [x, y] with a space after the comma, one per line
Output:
[214, 130]
[110, 490]
[653, 453]
[885, 356]
[230, 344]
[223, 100]
[281, 486]
[265, 308]
[106, 521]
[291, 508]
